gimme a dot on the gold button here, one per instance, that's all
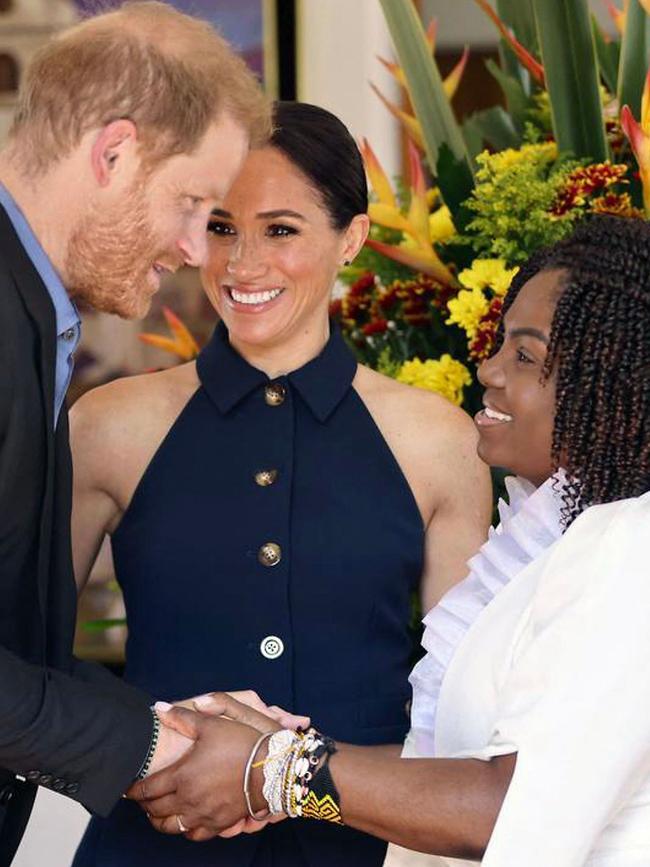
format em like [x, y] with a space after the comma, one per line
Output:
[266, 477]
[274, 394]
[269, 554]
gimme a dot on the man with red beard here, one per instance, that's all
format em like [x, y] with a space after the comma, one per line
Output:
[130, 127]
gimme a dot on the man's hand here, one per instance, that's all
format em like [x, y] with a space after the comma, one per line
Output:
[203, 792]
[172, 746]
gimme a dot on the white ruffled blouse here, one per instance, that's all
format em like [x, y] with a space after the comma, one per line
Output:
[530, 523]
[544, 651]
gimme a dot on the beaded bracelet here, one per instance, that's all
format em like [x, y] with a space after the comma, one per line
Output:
[297, 779]
[155, 735]
[275, 766]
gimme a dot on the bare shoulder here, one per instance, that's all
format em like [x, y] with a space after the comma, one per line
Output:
[115, 428]
[423, 415]
[433, 441]
[131, 401]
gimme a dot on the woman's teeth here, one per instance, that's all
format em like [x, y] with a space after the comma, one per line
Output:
[254, 297]
[496, 416]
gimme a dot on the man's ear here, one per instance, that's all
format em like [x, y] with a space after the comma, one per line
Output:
[113, 144]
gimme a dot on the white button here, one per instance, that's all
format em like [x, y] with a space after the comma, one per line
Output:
[272, 647]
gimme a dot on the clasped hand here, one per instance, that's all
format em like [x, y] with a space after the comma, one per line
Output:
[201, 794]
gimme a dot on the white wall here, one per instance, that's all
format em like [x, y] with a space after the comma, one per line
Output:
[338, 41]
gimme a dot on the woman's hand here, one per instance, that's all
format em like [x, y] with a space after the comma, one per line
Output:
[211, 703]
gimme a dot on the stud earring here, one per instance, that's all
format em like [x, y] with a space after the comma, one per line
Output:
[346, 262]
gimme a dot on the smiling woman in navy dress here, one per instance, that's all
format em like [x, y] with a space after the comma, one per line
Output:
[273, 505]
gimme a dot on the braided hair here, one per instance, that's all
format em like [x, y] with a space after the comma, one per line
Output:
[600, 351]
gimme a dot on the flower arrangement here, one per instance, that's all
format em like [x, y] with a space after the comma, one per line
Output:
[423, 299]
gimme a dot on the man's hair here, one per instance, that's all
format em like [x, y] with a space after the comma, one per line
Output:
[600, 352]
[169, 73]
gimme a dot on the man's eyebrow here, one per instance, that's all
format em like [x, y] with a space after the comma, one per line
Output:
[219, 212]
[529, 332]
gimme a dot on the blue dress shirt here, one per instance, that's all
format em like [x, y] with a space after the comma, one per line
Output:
[68, 323]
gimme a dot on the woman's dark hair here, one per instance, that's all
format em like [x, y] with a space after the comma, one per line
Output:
[600, 351]
[318, 144]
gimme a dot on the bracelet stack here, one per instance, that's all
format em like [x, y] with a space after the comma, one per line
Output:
[297, 779]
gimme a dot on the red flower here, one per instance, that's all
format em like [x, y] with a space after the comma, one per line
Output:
[377, 326]
[583, 182]
[336, 308]
[364, 285]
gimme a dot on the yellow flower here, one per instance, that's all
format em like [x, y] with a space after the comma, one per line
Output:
[467, 309]
[446, 376]
[441, 226]
[488, 274]
[503, 160]
[433, 197]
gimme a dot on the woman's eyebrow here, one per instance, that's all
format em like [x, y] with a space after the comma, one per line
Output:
[281, 212]
[529, 332]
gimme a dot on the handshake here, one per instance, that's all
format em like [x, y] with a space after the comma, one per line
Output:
[195, 785]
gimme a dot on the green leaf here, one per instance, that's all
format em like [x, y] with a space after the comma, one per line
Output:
[634, 62]
[608, 54]
[569, 56]
[493, 126]
[520, 18]
[451, 175]
[516, 97]
[430, 103]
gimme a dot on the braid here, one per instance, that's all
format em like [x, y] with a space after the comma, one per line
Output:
[600, 349]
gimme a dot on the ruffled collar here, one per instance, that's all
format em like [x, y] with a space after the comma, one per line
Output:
[529, 524]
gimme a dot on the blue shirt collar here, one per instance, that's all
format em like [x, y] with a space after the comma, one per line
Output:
[67, 315]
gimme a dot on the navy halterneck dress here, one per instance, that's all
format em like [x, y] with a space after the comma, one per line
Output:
[273, 544]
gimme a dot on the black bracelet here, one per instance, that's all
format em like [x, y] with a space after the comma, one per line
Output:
[323, 800]
[144, 770]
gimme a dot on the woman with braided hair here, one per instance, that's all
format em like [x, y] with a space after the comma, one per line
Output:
[530, 737]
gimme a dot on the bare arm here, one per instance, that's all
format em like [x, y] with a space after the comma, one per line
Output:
[440, 806]
[460, 521]
[93, 508]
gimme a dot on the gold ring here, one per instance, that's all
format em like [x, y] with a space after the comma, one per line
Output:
[181, 826]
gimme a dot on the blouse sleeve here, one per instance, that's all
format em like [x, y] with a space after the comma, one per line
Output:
[576, 704]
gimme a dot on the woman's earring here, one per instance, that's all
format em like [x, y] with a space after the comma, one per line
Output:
[346, 262]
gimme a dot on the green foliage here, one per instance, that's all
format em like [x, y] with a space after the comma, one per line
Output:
[633, 58]
[609, 55]
[442, 135]
[514, 193]
[568, 53]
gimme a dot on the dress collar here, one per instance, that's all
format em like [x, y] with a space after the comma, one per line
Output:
[322, 383]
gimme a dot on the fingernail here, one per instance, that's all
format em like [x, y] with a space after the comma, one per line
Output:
[163, 706]
[203, 700]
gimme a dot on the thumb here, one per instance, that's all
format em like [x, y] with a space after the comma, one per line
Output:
[180, 719]
[235, 710]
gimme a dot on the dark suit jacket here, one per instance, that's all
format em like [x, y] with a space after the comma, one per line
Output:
[63, 724]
